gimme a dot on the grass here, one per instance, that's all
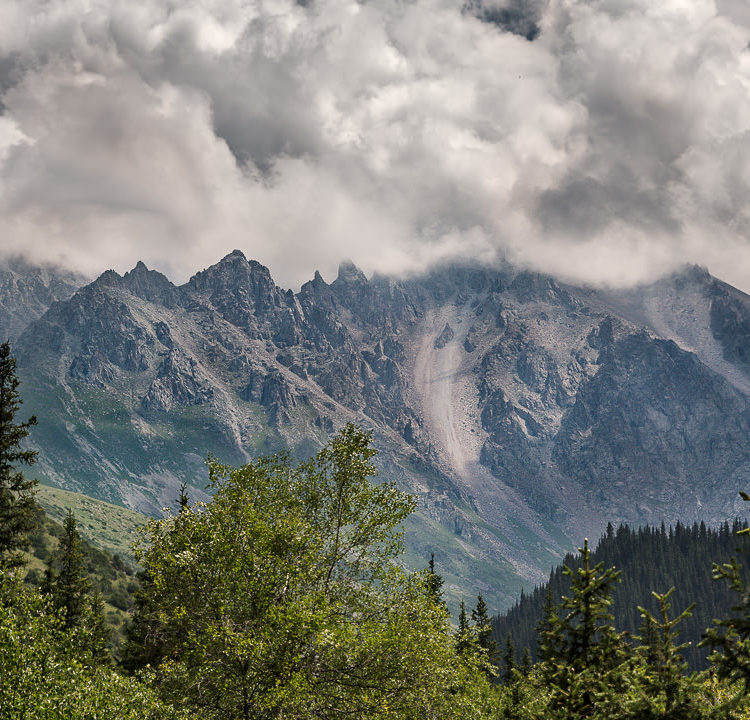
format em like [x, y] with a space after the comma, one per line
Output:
[106, 526]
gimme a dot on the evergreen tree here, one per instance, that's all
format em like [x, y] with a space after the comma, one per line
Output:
[481, 619]
[434, 582]
[730, 637]
[509, 660]
[581, 649]
[465, 637]
[67, 580]
[97, 632]
[526, 662]
[667, 692]
[145, 637]
[17, 507]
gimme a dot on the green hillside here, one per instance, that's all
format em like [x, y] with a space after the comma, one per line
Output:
[107, 572]
[106, 526]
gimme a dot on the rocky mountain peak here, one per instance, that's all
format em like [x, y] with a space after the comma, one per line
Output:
[109, 278]
[349, 273]
[150, 285]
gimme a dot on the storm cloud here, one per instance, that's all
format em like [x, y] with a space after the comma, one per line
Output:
[605, 141]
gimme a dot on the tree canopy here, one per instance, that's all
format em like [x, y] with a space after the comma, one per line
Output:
[284, 597]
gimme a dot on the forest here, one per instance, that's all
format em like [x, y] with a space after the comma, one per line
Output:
[285, 596]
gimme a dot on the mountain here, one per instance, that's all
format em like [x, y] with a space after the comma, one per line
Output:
[522, 412]
[27, 291]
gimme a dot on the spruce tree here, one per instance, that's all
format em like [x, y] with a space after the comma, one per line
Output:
[67, 579]
[730, 637]
[17, 506]
[509, 660]
[434, 582]
[97, 633]
[481, 619]
[580, 647]
[465, 637]
[667, 692]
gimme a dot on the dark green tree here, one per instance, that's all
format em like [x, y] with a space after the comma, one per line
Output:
[667, 692]
[729, 638]
[481, 618]
[146, 639]
[582, 652]
[96, 635]
[17, 506]
[509, 660]
[434, 582]
[67, 580]
[526, 662]
[466, 639]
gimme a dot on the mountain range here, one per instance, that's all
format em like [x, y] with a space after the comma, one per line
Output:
[521, 411]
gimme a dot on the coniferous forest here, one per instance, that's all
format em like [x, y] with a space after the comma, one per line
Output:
[284, 596]
[650, 560]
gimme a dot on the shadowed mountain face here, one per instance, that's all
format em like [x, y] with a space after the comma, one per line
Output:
[522, 413]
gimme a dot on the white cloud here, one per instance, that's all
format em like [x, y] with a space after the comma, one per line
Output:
[610, 149]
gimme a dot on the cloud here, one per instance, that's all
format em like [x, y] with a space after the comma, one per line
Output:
[610, 148]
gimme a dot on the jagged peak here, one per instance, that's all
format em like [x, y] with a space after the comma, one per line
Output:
[142, 273]
[349, 272]
[108, 277]
[234, 255]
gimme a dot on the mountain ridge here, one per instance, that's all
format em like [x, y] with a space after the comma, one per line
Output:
[518, 409]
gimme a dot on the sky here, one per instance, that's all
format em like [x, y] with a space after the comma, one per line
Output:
[603, 141]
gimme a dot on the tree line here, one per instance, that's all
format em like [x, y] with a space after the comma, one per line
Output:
[285, 596]
[649, 558]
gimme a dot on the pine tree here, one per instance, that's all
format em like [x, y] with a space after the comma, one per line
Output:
[17, 506]
[581, 649]
[730, 637]
[465, 637]
[481, 619]
[526, 663]
[509, 660]
[97, 633]
[434, 582]
[667, 692]
[67, 580]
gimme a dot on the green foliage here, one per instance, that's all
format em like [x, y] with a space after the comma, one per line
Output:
[434, 582]
[45, 674]
[649, 559]
[108, 575]
[283, 597]
[729, 638]
[663, 689]
[582, 654]
[67, 580]
[481, 618]
[17, 508]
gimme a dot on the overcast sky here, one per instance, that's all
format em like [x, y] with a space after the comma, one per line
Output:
[600, 140]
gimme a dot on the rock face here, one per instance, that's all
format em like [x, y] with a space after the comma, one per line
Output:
[27, 291]
[521, 412]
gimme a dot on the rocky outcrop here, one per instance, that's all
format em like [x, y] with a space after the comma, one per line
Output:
[27, 291]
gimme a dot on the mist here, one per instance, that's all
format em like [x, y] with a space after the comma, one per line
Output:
[605, 142]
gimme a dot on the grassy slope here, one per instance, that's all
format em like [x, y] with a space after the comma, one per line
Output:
[112, 577]
[106, 526]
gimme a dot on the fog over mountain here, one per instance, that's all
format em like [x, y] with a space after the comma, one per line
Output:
[603, 142]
